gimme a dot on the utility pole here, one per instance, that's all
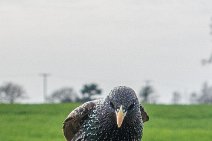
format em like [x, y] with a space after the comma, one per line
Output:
[45, 76]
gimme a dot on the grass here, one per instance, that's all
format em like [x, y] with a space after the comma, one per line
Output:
[179, 123]
[44, 122]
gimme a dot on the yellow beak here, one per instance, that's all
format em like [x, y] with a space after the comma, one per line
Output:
[120, 114]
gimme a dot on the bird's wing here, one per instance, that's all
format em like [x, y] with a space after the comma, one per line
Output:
[75, 119]
[144, 114]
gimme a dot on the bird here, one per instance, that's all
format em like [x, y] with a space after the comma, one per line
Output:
[118, 117]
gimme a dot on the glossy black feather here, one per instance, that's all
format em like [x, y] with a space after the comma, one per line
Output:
[97, 119]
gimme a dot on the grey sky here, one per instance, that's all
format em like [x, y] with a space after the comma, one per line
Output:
[111, 42]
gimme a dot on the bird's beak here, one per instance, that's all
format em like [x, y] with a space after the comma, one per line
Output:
[120, 114]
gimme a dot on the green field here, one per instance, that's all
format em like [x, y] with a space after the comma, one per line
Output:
[44, 122]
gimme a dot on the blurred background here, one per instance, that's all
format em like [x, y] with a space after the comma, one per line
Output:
[71, 51]
[59, 46]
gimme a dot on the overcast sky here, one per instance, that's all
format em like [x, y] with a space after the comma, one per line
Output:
[110, 42]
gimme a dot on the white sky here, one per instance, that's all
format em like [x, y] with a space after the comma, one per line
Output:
[111, 42]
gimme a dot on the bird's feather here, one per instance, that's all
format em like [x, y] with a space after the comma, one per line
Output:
[75, 119]
[96, 120]
[144, 114]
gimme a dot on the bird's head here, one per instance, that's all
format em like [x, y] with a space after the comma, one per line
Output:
[123, 103]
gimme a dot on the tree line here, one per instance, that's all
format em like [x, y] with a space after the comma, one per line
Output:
[11, 92]
[203, 96]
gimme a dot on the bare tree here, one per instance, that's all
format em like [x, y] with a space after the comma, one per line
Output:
[63, 95]
[206, 94]
[176, 97]
[10, 92]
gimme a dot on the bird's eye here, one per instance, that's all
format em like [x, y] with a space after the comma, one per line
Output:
[112, 105]
[131, 106]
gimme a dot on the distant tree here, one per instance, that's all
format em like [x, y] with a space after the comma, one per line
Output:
[193, 98]
[89, 91]
[206, 94]
[146, 92]
[63, 95]
[10, 92]
[176, 97]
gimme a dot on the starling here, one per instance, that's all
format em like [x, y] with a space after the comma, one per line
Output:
[118, 117]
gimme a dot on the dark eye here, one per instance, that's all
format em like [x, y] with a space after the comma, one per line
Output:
[131, 106]
[112, 105]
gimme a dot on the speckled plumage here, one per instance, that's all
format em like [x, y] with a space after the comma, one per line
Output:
[96, 120]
